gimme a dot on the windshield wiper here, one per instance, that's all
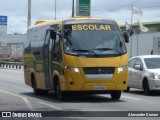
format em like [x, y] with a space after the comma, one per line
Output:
[106, 49]
[78, 50]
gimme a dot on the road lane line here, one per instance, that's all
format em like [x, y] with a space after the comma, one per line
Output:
[28, 103]
[131, 98]
[24, 99]
[52, 106]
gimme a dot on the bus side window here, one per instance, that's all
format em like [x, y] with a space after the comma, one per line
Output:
[57, 51]
[28, 41]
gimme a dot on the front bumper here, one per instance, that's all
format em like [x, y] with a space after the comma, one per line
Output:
[108, 86]
[154, 84]
[80, 82]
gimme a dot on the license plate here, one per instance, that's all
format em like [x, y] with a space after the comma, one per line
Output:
[99, 87]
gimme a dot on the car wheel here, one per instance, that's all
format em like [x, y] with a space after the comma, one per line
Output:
[146, 87]
[128, 88]
[115, 95]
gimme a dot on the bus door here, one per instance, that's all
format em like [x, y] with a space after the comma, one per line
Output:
[51, 47]
[48, 60]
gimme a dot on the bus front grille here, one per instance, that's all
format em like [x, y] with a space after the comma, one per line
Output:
[99, 70]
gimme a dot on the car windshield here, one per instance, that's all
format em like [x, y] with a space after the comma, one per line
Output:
[93, 39]
[152, 63]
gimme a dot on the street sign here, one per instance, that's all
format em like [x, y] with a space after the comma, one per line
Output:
[3, 20]
[3, 30]
[83, 8]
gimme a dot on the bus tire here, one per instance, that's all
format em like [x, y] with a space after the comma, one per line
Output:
[115, 95]
[61, 95]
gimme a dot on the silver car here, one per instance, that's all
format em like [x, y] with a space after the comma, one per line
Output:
[144, 73]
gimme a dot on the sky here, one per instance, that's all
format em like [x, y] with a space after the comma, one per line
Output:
[119, 10]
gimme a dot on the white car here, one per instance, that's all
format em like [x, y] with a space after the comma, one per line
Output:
[144, 73]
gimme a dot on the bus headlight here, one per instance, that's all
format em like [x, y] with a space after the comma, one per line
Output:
[121, 69]
[73, 69]
[156, 76]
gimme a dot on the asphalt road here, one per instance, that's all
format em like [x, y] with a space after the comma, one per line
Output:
[16, 96]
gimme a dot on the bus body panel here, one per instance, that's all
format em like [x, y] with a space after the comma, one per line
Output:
[33, 67]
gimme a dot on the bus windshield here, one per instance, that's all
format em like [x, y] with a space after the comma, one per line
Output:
[93, 39]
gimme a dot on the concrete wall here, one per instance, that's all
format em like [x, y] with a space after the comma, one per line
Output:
[16, 38]
[141, 44]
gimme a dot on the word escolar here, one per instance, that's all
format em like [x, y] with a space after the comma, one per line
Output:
[91, 27]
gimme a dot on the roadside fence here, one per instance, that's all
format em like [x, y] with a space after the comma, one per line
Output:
[11, 65]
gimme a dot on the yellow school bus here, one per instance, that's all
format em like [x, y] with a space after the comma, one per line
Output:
[80, 54]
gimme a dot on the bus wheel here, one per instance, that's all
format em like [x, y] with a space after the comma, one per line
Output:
[115, 95]
[60, 94]
[35, 90]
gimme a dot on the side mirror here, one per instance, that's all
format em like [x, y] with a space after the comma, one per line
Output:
[53, 34]
[126, 37]
[138, 67]
[131, 32]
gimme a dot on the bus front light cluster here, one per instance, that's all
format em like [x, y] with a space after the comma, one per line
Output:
[72, 68]
[121, 69]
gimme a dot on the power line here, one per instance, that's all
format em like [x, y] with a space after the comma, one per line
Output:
[4, 5]
[113, 10]
[126, 5]
[123, 6]
[9, 7]
[151, 6]
[15, 8]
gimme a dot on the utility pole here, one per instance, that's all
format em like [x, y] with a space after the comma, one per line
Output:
[55, 9]
[131, 36]
[29, 13]
[72, 8]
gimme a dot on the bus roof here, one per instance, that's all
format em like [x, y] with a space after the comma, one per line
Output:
[40, 23]
[84, 19]
[75, 19]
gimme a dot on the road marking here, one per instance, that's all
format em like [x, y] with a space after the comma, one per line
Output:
[131, 98]
[49, 105]
[24, 99]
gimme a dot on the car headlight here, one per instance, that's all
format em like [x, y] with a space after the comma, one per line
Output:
[121, 69]
[156, 76]
[72, 68]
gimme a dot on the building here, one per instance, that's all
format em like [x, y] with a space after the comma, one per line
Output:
[15, 46]
[144, 43]
[16, 38]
